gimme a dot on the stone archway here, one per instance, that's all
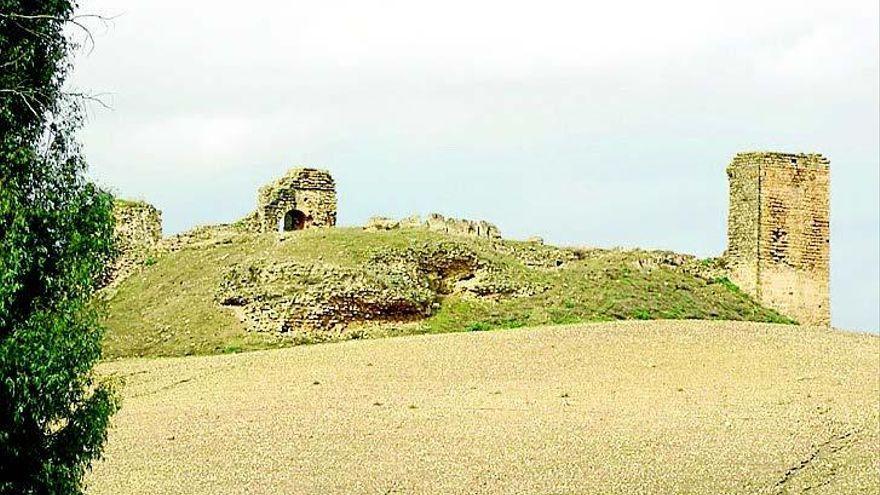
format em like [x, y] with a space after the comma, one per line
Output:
[293, 220]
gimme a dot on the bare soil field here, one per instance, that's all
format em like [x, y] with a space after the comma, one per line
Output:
[623, 408]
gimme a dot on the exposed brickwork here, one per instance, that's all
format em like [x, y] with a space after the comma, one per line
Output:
[304, 198]
[778, 232]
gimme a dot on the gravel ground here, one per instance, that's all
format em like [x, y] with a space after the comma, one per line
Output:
[628, 408]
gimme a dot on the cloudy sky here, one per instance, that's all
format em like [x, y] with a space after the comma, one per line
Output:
[588, 123]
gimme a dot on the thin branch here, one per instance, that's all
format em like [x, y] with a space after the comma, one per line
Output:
[87, 31]
[75, 20]
[24, 97]
[13, 61]
[29, 96]
[94, 98]
[58, 18]
[31, 31]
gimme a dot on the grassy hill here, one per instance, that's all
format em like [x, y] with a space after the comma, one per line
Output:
[613, 408]
[218, 290]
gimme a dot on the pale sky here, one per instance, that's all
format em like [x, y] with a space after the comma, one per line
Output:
[587, 123]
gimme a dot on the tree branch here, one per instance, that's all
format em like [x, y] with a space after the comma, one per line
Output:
[30, 96]
[75, 20]
[24, 97]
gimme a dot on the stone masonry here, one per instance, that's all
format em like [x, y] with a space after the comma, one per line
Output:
[778, 232]
[138, 225]
[137, 231]
[436, 222]
[303, 198]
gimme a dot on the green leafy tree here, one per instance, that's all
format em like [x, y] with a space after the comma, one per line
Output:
[55, 239]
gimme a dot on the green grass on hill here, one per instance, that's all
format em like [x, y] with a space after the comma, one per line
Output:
[170, 307]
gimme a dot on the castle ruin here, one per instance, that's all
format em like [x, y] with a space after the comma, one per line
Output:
[137, 233]
[303, 198]
[778, 248]
[778, 232]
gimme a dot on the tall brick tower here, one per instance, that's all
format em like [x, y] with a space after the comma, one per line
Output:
[778, 232]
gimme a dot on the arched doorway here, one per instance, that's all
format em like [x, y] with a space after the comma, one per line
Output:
[293, 220]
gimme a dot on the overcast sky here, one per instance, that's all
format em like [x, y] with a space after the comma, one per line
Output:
[588, 123]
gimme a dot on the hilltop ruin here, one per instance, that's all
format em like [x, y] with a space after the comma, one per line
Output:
[778, 232]
[302, 199]
[137, 232]
[778, 227]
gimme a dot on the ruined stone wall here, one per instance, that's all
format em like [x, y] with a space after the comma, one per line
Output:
[778, 232]
[457, 226]
[307, 190]
[138, 224]
[742, 225]
[138, 231]
[394, 283]
[438, 223]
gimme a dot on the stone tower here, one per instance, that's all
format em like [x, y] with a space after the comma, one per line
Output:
[303, 198]
[778, 232]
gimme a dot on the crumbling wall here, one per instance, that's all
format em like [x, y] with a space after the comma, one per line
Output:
[436, 222]
[778, 232]
[394, 284]
[137, 224]
[303, 198]
[137, 231]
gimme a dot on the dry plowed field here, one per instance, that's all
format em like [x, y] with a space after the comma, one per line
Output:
[628, 408]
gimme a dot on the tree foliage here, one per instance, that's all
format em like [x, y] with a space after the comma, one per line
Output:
[55, 239]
